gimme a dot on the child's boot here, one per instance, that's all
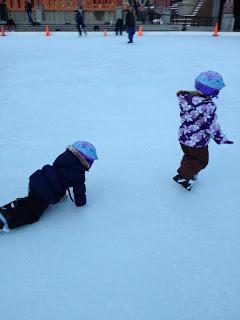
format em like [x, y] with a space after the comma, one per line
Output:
[5, 212]
[3, 223]
[186, 184]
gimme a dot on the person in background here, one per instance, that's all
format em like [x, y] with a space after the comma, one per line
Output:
[151, 14]
[10, 24]
[141, 13]
[119, 26]
[136, 5]
[130, 24]
[79, 23]
[28, 9]
[3, 11]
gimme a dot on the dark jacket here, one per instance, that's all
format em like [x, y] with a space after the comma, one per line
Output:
[10, 23]
[52, 181]
[79, 18]
[3, 11]
[119, 23]
[130, 20]
[28, 6]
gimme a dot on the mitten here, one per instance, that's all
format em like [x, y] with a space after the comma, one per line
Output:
[228, 142]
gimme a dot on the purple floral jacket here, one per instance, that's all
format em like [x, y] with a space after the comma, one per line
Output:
[198, 121]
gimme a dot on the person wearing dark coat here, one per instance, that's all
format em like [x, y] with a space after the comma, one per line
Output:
[79, 23]
[28, 9]
[49, 185]
[10, 24]
[3, 11]
[130, 24]
[119, 26]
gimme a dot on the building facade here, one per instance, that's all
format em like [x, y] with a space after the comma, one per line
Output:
[185, 12]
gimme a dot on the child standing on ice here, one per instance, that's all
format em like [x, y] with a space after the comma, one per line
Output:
[198, 125]
[49, 185]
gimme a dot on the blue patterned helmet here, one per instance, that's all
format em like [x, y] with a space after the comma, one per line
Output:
[209, 83]
[87, 150]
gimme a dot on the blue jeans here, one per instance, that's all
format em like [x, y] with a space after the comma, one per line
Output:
[131, 31]
[29, 16]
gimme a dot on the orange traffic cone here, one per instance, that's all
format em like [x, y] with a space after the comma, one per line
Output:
[215, 33]
[47, 33]
[105, 33]
[3, 32]
[140, 33]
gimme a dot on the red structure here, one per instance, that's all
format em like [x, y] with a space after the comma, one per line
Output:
[99, 5]
[162, 3]
[60, 4]
[66, 5]
[15, 5]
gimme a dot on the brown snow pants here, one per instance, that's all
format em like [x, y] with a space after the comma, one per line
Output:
[193, 161]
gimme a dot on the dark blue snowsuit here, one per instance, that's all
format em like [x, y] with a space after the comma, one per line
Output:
[130, 25]
[79, 23]
[47, 186]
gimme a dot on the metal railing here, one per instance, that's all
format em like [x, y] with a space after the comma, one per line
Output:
[194, 21]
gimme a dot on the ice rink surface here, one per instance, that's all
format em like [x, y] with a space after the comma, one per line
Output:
[143, 248]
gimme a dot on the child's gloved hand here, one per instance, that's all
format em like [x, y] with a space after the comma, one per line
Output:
[228, 142]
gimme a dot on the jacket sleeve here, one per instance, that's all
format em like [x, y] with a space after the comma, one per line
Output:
[79, 192]
[212, 126]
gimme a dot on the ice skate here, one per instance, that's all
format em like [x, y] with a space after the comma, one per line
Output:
[3, 223]
[186, 184]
